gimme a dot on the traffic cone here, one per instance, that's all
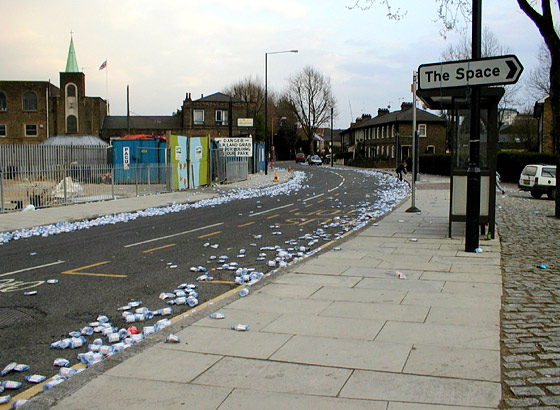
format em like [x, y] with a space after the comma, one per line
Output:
[276, 177]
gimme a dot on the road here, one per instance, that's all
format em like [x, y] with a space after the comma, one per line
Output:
[104, 268]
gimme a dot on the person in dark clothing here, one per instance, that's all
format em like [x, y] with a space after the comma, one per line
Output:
[400, 169]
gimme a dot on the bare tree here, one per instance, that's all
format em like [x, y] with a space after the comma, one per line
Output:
[538, 80]
[452, 11]
[248, 90]
[310, 98]
[490, 47]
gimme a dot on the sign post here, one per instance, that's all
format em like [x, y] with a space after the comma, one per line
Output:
[468, 73]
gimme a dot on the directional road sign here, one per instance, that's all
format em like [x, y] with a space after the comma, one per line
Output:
[485, 71]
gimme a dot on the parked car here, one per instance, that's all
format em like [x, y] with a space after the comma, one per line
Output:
[300, 157]
[315, 160]
[538, 179]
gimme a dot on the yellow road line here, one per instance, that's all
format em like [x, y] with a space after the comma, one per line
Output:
[209, 234]
[77, 271]
[273, 216]
[294, 210]
[161, 247]
[247, 224]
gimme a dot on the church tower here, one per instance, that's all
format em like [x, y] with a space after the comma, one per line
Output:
[73, 91]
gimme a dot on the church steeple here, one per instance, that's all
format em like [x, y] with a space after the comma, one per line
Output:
[71, 63]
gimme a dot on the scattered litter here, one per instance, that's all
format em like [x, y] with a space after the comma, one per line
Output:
[244, 292]
[18, 403]
[60, 362]
[413, 240]
[11, 385]
[400, 275]
[478, 250]
[337, 248]
[217, 315]
[240, 328]
[5, 399]
[52, 281]
[542, 266]
[172, 339]
[8, 368]
[33, 254]
[401, 220]
[31, 293]
[21, 368]
[35, 378]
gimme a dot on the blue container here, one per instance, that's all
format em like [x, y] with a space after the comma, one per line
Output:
[140, 160]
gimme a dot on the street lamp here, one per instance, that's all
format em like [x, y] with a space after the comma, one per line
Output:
[266, 141]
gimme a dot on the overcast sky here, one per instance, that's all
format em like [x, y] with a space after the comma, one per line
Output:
[166, 48]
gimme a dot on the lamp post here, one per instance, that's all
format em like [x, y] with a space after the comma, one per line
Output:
[266, 141]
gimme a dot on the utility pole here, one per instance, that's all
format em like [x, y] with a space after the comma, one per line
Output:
[473, 172]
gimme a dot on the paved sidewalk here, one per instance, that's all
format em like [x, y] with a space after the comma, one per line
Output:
[339, 330]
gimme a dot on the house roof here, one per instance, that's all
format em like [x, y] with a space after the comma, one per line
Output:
[219, 97]
[401, 116]
[74, 140]
[163, 122]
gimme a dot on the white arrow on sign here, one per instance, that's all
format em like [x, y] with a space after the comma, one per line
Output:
[486, 71]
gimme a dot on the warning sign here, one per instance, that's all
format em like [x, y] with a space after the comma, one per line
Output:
[236, 147]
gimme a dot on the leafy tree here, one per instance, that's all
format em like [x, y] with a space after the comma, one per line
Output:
[309, 96]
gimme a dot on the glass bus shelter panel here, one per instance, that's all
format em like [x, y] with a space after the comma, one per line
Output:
[463, 133]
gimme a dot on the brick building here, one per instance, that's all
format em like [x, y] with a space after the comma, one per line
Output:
[543, 113]
[216, 115]
[388, 136]
[32, 111]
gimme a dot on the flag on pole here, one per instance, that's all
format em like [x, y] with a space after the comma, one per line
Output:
[103, 65]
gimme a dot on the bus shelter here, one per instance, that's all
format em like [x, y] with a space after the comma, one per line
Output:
[457, 103]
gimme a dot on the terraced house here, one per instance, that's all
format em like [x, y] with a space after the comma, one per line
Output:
[388, 136]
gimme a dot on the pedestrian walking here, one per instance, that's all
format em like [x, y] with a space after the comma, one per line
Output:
[498, 181]
[400, 169]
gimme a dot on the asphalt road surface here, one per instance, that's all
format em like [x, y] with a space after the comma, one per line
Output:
[104, 268]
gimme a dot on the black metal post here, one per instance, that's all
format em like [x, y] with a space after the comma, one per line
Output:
[473, 172]
[332, 138]
[266, 143]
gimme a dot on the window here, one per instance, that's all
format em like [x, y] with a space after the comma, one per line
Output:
[3, 101]
[430, 149]
[421, 130]
[198, 117]
[30, 130]
[29, 101]
[70, 90]
[221, 117]
[71, 124]
[393, 151]
[3, 130]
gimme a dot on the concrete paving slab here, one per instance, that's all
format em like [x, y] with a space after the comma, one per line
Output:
[421, 389]
[323, 268]
[258, 319]
[450, 300]
[366, 244]
[289, 290]
[256, 400]
[359, 295]
[411, 263]
[478, 317]
[395, 283]
[148, 365]
[268, 303]
[275, 377]
[492, 290]
[326, 326]
[346, 353]
[380, 273]
[117, 393]
[345, 254]
[461, 363]
[434, 334]
[228, 342]
[486, 261]
[471, 268]
[315, 279]
[419, 406]
[462, 277]
[377, 311]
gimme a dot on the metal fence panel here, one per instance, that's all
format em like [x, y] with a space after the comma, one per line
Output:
[237, 169]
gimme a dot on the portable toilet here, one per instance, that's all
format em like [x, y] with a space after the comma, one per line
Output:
[139, 158]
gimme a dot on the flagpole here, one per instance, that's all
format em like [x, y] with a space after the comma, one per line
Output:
[107, 87]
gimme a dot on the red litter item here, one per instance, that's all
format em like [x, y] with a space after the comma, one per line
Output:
[132, 330]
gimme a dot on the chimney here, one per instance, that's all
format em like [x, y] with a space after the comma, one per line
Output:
[201, 95]
[382, 111]
[406, 105]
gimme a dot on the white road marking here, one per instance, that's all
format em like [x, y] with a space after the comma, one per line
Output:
[31, 268]
[172, 236]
